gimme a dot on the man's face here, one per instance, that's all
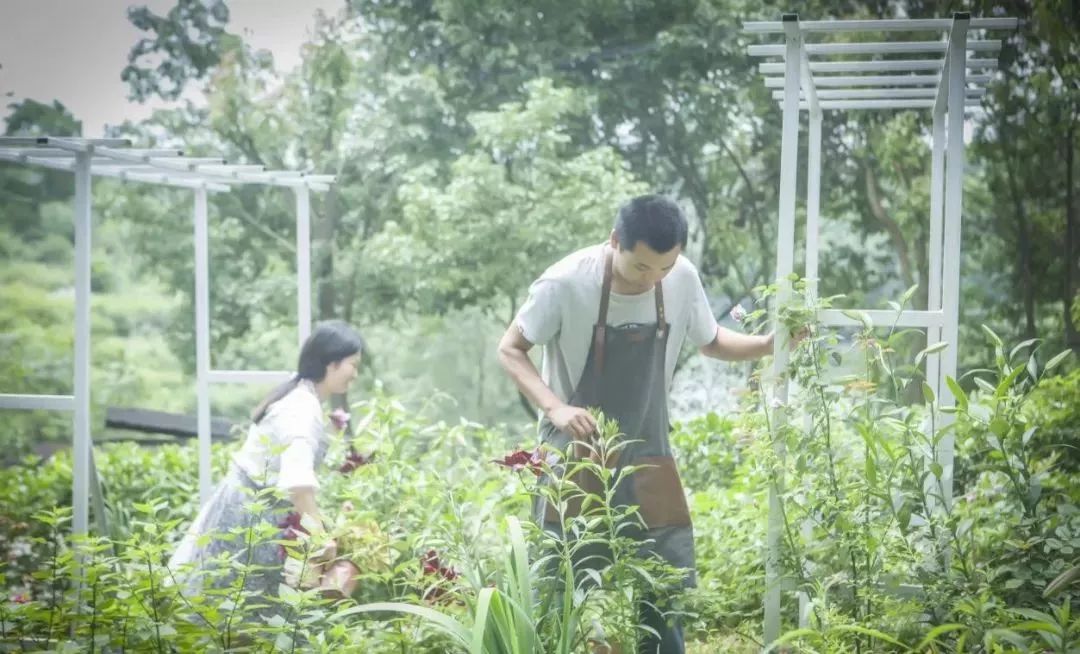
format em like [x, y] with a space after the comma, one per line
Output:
[642, 267]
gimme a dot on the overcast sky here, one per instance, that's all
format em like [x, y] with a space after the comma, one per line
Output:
[74, 50]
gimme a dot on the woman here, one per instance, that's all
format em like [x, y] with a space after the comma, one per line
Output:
[277, 462]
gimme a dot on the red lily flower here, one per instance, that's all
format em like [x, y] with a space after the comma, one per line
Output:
[522, 459]
[291, 530]
[354, 460]
[432, 566]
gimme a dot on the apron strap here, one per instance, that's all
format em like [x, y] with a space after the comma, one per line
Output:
[601, 321]
[661, 323]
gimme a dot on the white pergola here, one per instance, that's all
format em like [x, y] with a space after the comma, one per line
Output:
[115, 158]
[937, 74]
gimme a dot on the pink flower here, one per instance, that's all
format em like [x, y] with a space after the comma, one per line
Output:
[738, 313]
[354, 460]
[20, 598]
[522, 459]
[340, 418]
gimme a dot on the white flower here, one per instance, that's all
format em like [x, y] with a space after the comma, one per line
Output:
[776, 403]
[738, 313]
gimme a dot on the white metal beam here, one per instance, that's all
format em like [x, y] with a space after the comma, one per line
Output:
[877, 66]
[72, 144]
[225, 169]
[184, 163]
[80, 447]
[833, 105]
[37, 402]
[886, 47]
[121, 170]
[954, 207]
[58, 153]
[953, 52]
[813, 198]
[321, 179]
[202, 342]
[102, 163]
[303, 263]
[881, 318]
[883, 25]
[806, 83]
[168, 180]
[836, 81]
[879, 94]
[174, 169]
[785, 251]
[936, 244]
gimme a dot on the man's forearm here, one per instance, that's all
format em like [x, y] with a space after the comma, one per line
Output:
[527, 378]
[733, 346]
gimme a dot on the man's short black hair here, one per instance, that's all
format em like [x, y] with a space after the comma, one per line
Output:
[654, 219]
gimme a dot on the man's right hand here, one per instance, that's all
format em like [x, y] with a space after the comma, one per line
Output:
[573, 420]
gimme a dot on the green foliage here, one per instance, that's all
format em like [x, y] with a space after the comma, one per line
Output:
[1053, 406]
[132, 363]
[535, 193]
[473, 145]
[431, 487]
[867, 506]
[186, 43]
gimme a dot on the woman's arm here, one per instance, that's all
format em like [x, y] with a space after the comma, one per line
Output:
[303, 501]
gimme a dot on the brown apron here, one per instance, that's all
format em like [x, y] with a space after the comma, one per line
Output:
[624, 376]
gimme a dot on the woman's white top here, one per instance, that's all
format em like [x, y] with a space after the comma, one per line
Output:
[280, 449]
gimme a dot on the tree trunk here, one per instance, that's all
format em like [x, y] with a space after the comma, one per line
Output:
[892, 228]
[1023, 235]
[480, 360]
[764, 250]
[322, 233]
[922, 254]
[1072, 338]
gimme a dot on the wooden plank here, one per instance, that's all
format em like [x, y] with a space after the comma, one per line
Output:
[162, 422]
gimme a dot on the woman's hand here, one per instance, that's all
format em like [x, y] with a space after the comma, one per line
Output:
[325, 554]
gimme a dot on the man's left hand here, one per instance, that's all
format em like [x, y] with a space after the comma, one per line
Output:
[800, 335]
[794, 339]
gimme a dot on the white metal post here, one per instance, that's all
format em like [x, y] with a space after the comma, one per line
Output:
[954, 197]
[80, 475]
[303, 262]
[937, 201]
[785, 233]
[813, 199]
[813, 206]
[937, 247]
[202, 341]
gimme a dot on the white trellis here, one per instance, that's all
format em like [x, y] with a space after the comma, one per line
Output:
[934, 74]
[116, 158]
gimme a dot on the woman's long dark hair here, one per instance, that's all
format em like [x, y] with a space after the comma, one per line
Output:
[330, 341]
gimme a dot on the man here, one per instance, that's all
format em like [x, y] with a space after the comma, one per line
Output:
[612, 319]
